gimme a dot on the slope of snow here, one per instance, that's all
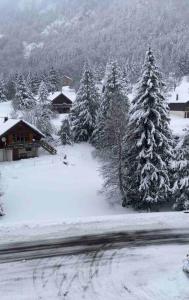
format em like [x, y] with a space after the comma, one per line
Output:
[5, 109]
[29, 47]
[182, 90]
[45, 189]
[53, 27]
[179, 124]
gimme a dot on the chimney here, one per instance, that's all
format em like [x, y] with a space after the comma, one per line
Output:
[177, 97]
[5, 119]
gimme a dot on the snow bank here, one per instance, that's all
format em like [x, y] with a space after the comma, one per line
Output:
[74, 227]
[179, 124]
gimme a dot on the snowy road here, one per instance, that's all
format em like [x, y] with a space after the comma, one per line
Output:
[89, 243]
[109, 267]
[143, 273]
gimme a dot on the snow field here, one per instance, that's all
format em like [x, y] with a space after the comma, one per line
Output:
[45, 189]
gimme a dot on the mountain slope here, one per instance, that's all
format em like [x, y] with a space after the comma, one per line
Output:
[71, 31]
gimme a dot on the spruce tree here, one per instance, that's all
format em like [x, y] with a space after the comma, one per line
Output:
[111, 125]
[148, 142]
[83, 113]
[65, 133]
[43, 122]
[3, 97]
[114, 100]
[53, 81]
[180, 188]
[24, 99]
[34, 83]
[43, 93]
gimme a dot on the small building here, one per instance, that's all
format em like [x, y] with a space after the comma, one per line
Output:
[179, 99]
[67, 81]
[18, 139]
[61, 102]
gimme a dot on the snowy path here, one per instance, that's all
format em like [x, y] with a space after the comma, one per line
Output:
[45, 189]
[147, 273]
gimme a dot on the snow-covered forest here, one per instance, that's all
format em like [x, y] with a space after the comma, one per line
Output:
[63, 33]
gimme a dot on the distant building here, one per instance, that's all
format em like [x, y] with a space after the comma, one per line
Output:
[179, 99]
[61, 102]
[67, 81]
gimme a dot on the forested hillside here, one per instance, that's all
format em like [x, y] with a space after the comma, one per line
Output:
[36, 34]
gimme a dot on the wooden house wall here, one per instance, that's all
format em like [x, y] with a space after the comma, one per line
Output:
[20, 130]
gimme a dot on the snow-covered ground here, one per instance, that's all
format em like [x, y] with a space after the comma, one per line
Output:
[144, 273]
[45, 189]
[179, 124]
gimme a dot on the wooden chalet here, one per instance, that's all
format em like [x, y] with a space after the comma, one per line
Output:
[180, 108]
[179, 99]
[61, 104]
[19, 139]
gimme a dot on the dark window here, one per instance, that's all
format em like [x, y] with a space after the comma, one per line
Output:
[20, 138]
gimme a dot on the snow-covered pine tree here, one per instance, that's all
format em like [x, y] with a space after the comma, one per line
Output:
[34, 83]
[24, 99]
[114, 99]
[65, 132]
[148, 142]
[43, 120]
[53, 81]
[83, 113]
[180, 166]
[3, 97]
[43, 93]
[111, 127]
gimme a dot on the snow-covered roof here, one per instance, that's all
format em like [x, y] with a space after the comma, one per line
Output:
[181, 93]
[70, 93]
[5, 126]
[52, 96]
[67, 91]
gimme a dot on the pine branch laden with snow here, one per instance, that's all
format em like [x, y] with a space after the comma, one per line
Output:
[148, 142]
[180, 166]
[83, 113]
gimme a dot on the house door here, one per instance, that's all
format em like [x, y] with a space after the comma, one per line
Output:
[187, 114]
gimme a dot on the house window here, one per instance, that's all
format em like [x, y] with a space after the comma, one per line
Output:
[20, 138]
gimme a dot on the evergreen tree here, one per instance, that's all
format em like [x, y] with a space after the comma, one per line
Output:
[43, 93]
[53, 81]
[148, 142]
[181, 167]
[34, 83]
[24, 99]
[83, 113]
[111, 124]
[3, 97]
[65, 133]
[43, 120]
[114, 100]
